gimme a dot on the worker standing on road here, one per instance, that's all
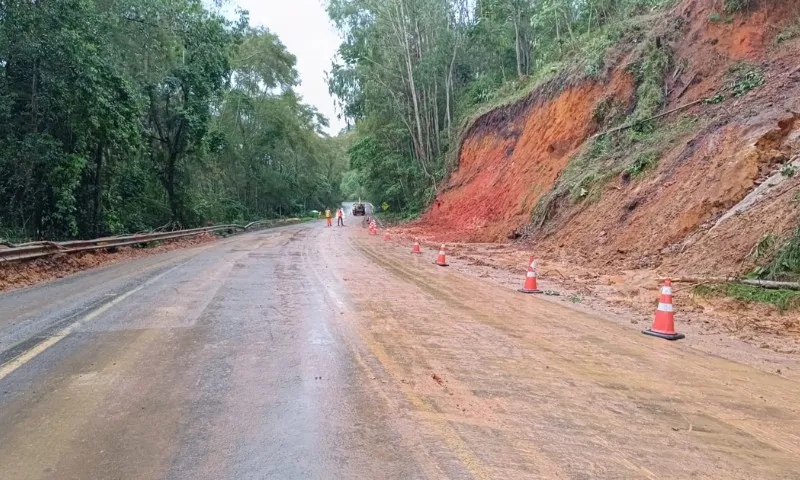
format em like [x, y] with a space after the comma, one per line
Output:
[328, 216]
[340, 217]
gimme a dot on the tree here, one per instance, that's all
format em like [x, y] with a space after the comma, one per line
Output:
[409, 71]
[124, 115]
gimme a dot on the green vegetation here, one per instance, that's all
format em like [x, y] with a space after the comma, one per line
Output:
[789, 32]
[414, 75]
[649, 71]
[629, 153]
[609, 111]
[714, 17]
[734, 6]
[121, 116]
[783, 300]
[396, 217]
[764, 248]
[718, 98]
[744, 77]
[642, 163]
[785, 265]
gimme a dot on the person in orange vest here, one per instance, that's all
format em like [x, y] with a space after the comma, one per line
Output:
[340, 217]
[328, 216]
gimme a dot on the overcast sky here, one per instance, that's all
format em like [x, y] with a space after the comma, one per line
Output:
[304, 28]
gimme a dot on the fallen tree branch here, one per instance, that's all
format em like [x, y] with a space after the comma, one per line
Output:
[629, 125]
[746, 281]
[686, 87]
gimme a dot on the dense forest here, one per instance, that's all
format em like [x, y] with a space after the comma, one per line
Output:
[118, 116]
[411, 74]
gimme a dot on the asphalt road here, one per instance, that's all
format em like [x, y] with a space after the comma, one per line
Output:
[314, 352]
[348, 208]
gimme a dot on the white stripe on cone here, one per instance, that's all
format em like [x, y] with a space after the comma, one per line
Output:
[665, 307]
[531, 275]
[666, 290]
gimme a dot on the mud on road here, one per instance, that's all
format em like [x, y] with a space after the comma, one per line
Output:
[752, 333]
[535, 389]
[313, 352]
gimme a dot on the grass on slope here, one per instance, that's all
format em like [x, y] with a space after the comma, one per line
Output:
[783, 300]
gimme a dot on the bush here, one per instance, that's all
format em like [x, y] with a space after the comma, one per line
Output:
[649, 72]
[642, 163]
[734, 6]
[745, 77]
[786, 263]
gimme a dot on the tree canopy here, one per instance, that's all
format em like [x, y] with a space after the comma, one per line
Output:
[124, 115]
[410, 72]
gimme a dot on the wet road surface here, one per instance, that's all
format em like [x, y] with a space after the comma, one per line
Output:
[313, 352]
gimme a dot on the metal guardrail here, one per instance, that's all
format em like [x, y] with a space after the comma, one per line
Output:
[31, 250]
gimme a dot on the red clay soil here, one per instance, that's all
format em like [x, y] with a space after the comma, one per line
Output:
[640, 224]
[513, 156]
[507, 164]
[664, 220]
[23, 274]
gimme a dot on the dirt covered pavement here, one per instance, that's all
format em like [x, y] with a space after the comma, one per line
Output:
[314, 352]
[757, 334]
[520, 387]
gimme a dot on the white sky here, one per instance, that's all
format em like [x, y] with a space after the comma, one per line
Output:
[303, 26]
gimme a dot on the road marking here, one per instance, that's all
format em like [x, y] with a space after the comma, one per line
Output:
[37, 349]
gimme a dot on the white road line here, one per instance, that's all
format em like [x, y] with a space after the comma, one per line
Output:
[37, 349]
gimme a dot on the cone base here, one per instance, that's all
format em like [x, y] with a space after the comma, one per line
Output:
[525, 290]
[666, 336]
[417, 253]
[442, 264]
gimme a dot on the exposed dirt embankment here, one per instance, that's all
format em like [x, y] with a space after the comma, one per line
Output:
[666, 218]
[511, 158]
[661, 219]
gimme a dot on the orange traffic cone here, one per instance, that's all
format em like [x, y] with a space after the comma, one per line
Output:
[664, 324]
[530, 279]
[442, 260]
[416, 247]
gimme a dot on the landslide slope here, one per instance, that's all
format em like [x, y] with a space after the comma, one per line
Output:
[691, 192]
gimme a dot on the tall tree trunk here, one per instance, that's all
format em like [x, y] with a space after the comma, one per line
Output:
[516, 43]
[411, 83]
[558, 38]
[436, 117]
[427, 118]
[97, 191]
[568, 21]
[169, 186]
[448, 87]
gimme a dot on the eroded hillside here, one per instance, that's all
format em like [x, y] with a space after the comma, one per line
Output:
[664, 193]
